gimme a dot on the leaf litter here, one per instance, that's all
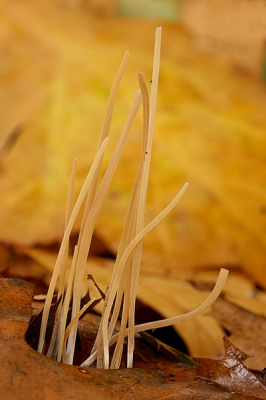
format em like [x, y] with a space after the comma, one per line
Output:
[27, 372]
[231, 373]
[246, 331]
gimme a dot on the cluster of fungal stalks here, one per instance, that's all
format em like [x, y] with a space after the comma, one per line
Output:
[121, 292]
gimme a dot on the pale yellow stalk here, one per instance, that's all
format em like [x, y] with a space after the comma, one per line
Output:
[65, 308]
[94, 211]
[64, 244]
[54, 343]
[174, 320]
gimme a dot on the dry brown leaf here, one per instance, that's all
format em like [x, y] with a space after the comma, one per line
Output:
[25, 372]
[246, 331]
[231, 374]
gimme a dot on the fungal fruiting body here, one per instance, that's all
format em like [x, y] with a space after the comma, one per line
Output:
[121, 292]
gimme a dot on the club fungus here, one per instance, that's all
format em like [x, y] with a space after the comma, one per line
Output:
[121, 293]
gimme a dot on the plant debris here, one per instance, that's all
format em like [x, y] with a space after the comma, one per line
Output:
[24, 372]
[231, 373]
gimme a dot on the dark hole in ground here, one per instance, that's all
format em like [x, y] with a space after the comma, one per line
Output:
[167, 335]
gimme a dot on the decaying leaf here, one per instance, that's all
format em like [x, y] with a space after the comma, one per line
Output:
[24, 372]
[231, 373]
[247, 331]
